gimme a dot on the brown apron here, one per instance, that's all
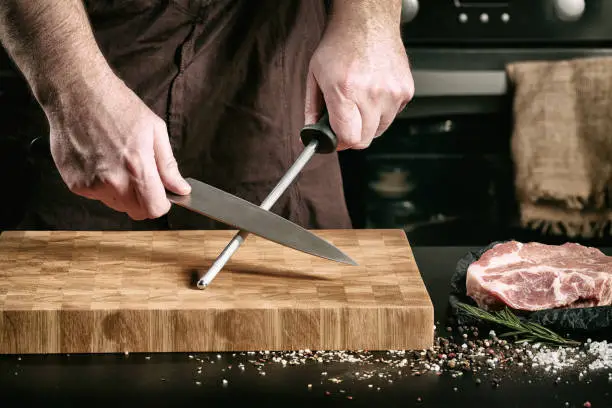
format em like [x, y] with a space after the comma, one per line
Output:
[228, 77]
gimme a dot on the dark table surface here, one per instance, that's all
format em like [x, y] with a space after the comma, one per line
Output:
[176, 379]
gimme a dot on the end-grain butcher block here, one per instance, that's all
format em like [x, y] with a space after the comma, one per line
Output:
[534, 276]
[91, 292]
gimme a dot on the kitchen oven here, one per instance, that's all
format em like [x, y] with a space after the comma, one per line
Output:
[443, 171]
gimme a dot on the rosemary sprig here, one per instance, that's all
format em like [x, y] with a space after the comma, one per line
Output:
[531, 331]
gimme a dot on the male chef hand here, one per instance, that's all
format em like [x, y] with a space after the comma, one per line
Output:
[360, 72]
[109, 146]
[106, 143]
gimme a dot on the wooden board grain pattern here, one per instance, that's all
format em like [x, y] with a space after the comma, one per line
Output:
[112, 291]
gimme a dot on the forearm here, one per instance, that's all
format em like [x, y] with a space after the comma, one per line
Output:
[52, 44]
[367, 15]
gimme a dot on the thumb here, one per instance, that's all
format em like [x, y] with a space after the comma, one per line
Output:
[167, 165]
[314, 100]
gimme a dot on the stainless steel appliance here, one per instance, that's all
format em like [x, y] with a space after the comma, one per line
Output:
[443, 171]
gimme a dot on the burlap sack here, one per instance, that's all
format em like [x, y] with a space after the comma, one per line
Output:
[562, 144]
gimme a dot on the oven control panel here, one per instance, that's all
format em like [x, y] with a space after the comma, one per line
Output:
[458, 21]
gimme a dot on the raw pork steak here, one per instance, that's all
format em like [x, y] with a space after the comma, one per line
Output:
[534, 276]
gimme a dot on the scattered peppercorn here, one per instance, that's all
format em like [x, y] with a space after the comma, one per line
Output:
[486, 359]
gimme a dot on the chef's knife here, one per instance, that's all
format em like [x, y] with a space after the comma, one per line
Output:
[240, 214]
[243, 215]
[317, 138]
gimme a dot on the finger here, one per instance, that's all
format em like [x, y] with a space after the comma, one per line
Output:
[386, 119]
[345, 121]
[370, 118]
[314, 103]
[148, 186]
[166, 165]
[406, 95]
[396, 101]
[140, 211]
[118, 194]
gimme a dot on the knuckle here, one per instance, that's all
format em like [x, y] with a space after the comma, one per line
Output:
[397, 93]
[348, 85]
[134, 162]
[171, 164]
[378, 90]
[408, 90]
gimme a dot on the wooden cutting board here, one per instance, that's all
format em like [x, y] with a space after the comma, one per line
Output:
[94, 292]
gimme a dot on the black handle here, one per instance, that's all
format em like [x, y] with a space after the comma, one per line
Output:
[321, 131]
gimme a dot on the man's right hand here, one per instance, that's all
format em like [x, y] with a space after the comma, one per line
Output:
[109, 146]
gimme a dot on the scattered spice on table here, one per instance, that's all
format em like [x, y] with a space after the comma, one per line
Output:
[462, 353]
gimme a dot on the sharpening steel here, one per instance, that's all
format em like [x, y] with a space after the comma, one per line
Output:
[317, 138]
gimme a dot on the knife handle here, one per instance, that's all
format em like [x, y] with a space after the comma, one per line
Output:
[323, 133]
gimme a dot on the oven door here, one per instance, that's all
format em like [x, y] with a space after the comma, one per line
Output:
[445, 180]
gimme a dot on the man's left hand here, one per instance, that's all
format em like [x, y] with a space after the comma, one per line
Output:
[362, 77]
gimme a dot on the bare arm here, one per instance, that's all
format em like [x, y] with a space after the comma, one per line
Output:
[52, 44]
[367, 15]
[106, 143]
[360, 71]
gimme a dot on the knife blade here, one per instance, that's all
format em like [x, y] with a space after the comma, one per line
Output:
[317, 138]
[244, 215]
